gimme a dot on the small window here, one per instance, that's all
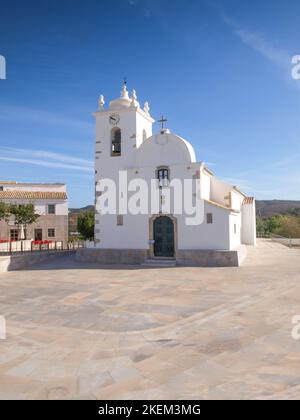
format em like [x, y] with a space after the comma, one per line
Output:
[1, 188]
[144, 135]
[120, 220]
[51, 209]
[116, 142]
[38, 234]
[235, 229]
[163, 175]
[209, 218]
[51, 233]
[14, 235]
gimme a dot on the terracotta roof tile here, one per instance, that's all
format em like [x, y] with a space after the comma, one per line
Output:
[33, 195]
[8, 182]
[248, 200]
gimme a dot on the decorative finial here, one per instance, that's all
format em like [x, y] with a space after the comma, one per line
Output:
[101, 102]
[134, 101]
[147, 108]
[133, 95]
[124, 91]
[162, 121]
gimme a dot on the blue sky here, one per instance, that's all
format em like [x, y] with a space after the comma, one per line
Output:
[219, 70]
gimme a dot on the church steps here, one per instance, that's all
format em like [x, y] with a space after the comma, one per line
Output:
[159, 263]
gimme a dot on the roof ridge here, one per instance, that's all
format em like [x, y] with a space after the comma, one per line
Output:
[43, 195]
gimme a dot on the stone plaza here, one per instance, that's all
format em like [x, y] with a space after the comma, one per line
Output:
[76, 330]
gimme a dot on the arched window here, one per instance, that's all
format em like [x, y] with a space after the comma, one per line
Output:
[116, 142]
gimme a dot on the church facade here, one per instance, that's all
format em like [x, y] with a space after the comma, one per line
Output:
[126, 144]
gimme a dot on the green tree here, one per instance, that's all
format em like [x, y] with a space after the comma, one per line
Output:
[261, 226]
[269, 225]
[86, 225]
[289, 227]
[273, 223]
[4, 212]
[24, 215]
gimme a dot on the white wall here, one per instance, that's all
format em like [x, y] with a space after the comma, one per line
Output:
[235, 230]
[134, 234]
[220, 190]
[236, 200]
[213, 236]
[61, 207]
[41, 206]
[205, 182]
[249, 224]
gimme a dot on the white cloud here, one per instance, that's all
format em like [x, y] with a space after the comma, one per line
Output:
[17, 113]
[45, 159]
[258, 42]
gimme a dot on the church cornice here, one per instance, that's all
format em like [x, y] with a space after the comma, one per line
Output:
[213, 203]
[208, 171]
[123, 111]
[236, 189]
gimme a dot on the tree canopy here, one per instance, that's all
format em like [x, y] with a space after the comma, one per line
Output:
[283, 225]
[23, 215]
[4, 211]
[86, 225]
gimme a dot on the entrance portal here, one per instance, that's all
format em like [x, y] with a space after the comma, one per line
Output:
[164, 237]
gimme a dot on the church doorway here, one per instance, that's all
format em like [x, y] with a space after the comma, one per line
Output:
[164, 237]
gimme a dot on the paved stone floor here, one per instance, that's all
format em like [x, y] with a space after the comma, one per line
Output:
[80, 331]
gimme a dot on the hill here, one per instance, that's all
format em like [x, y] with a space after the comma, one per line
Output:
[267, 208]
[81, 210]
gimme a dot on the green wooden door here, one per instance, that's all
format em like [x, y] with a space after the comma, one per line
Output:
[164, 237]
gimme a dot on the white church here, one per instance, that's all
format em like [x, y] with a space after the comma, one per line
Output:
[125, 142]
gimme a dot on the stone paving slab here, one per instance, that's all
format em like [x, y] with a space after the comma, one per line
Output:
[79, 331]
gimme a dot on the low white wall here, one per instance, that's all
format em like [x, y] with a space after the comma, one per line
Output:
[21, 261]
[15, 246]
[287, 241]
[18, 246]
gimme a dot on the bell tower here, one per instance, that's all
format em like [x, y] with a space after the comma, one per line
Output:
[121, 129]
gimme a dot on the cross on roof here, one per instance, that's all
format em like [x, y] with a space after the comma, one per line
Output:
[125, 81]
[162, 121]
